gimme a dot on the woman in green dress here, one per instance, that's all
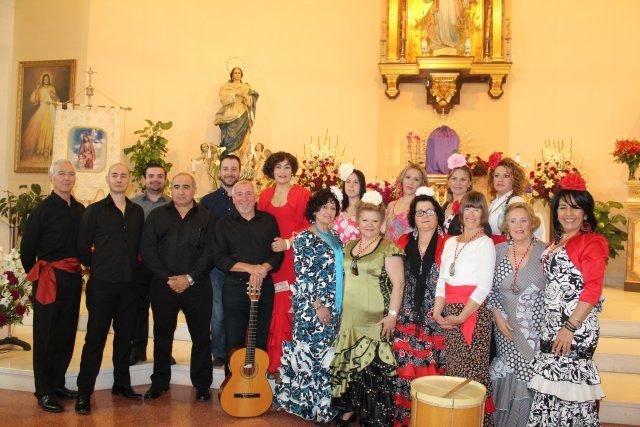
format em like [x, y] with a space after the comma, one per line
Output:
[364, 367]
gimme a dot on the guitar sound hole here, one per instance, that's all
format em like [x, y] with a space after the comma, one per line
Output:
[249, 371]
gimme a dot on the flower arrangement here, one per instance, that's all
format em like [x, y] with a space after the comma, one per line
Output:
[15, 290]
[387, 190]
[545, 178]
[318, 173]
[628, 152]
[478, 166]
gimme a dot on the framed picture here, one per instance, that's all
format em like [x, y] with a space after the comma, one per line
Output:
[88, 148]
[40, 85]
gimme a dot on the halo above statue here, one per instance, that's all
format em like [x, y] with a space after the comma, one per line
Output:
[235, 62]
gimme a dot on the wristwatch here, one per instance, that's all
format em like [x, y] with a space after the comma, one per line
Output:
[190, 279]
[393, 313]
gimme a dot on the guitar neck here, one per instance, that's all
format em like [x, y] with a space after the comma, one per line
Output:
[250, 353]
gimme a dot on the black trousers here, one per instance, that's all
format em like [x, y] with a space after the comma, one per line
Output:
[54, 333]
[108, 301]
[196, 303]
[236, 312]
[141, 331]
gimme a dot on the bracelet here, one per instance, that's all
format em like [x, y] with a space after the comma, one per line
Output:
[287, 244]
[570, 327]
[576, 319]
[393, 313]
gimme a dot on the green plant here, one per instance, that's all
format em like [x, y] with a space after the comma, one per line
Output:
[17, 207]
[609, 226]
[151, 146]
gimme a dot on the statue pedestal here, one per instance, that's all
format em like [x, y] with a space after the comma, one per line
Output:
[632, 279]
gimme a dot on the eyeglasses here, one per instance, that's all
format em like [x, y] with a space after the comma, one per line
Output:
[428, 212]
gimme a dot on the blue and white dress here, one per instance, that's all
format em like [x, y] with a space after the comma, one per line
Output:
[305, 388]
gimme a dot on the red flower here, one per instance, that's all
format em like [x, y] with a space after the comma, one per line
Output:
[573, 181]
[3, 319]
[455, 207]
[14, 294]
[11, 277]
[20, 309]
[494, 159]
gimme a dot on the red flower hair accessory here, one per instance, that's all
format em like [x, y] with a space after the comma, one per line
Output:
[573, 181]
[494, 159]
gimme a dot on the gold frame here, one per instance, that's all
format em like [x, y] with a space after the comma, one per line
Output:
[22, 67]
[445, 71]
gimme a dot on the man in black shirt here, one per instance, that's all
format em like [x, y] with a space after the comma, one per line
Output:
[243, 252]
[50, 237]
[177, 246]
[108, 244]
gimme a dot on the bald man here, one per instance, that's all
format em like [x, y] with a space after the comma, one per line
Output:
[49, 245]
[108, 244]
[177, 246]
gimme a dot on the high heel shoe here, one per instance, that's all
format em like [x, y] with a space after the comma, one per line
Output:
[343, 423]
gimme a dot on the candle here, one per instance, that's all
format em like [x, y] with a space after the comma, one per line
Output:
[193, 165]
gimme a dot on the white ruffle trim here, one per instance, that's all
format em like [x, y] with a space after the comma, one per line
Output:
[566, 390]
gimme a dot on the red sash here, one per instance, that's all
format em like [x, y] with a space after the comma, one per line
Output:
[460, 295]
[47, 285]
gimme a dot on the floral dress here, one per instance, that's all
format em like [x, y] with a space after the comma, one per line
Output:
[305, 388]
[347, 228]
[566, 387]
[396, 225]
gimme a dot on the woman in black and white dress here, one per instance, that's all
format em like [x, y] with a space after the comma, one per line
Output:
[566, 383]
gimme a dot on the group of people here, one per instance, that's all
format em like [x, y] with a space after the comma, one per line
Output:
[356, 299]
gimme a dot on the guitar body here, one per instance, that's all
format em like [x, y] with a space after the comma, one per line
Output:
[247, 393]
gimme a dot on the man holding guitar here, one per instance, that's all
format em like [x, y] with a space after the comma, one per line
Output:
[243, 251]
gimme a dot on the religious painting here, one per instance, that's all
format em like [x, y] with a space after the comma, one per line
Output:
[41, 84]
[88, 148]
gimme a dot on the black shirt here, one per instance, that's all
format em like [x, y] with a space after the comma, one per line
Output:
[172, 245]
[239, 240]
[115, 238]
[219, 203]
[51, 233]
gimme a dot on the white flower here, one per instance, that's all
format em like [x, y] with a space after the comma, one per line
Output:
[344, 170]
[336, 192]
[425, 191]
[372, 197]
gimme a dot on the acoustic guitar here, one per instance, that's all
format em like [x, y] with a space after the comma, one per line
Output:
[247, 393]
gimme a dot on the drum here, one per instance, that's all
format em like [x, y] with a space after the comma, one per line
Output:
[447, 401]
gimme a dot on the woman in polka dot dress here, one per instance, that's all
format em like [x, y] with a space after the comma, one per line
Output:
[353, 187]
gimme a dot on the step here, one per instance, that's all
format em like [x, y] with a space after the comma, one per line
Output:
[621, 355]
[622, 402]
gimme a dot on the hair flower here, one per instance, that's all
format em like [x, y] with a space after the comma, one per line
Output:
[372, 197]
[425, 191]
[573, 181]
[344, 170]
[336, 192]
[456, 160]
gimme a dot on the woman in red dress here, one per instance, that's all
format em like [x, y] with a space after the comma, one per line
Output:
[287, 202]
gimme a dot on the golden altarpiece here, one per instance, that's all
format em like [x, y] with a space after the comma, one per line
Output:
[444, 44]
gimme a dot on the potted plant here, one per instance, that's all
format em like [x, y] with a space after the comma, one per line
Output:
[17, 207]
[628, 152]
[608, 226]
[151, 146]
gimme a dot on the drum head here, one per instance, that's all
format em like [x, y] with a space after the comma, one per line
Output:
[432, 389]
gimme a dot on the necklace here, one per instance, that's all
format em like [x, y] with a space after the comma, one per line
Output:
[421, 252]
[356, 257]
[456, 254]
[517, 264]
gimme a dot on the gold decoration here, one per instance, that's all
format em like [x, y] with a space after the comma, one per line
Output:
[443, 87]
[418, 46]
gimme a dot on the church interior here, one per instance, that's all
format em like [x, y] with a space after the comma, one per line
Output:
[354, 80]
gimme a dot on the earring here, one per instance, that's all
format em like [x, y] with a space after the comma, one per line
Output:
[415, 234]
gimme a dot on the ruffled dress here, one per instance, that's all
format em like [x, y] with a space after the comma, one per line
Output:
[363, 370]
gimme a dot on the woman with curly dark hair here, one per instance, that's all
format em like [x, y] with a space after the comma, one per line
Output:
[287, 202]
[305, 389]
[507, 182]
[566, 383]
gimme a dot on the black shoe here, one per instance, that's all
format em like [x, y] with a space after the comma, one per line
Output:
[218, 362]
[342, 422]
[65, 393]
[155, 392]
[137, 355]
[127, 392]
[50, 403]
[173, 361]
[203, 394]
[83, 404]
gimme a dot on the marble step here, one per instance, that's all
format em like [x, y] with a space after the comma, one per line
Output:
[622, 402]
[621, 355]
